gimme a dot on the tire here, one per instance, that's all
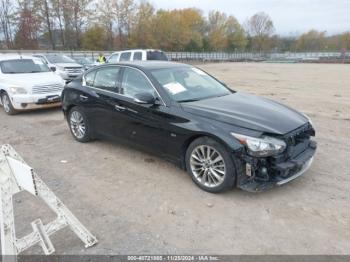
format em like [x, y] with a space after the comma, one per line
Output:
[79, 125]
[214, 174]
[7, 104]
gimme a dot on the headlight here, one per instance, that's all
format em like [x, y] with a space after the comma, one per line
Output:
[261, 147]
[60, 68]
[18, 90]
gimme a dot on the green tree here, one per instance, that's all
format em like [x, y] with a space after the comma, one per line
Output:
[217, 30]
[236, 38]
[311, 41]
[174, 30]
[95, 38]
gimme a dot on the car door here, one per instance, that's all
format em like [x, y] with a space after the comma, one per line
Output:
[143, 124]
[102, 101]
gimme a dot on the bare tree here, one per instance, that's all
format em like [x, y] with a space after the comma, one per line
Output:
[142, 29]
[260, 28]
[28, 21]
[105, 15]
[125, 13]
[58, 10]
[45, 13]
[6, 13]
[81, 13]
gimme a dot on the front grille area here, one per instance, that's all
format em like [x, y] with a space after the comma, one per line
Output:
[49, 88]
[74, 70]
[299, 135]
[298, 140]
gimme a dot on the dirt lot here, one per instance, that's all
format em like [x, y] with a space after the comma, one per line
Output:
[137, 203]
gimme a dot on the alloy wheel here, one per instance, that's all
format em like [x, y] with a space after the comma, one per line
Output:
[77, 124]
[208, 166]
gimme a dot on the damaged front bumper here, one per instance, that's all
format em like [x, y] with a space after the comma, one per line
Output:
[260, 174]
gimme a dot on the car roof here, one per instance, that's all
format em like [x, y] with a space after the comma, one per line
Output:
[4, 57]
[137, 50]
[152, 65]
[49, 54]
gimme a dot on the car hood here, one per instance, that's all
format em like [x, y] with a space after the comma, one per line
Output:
[33, 79]
[248, 111]
[69, 65]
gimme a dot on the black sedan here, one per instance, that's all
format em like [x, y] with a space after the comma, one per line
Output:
[223, 138]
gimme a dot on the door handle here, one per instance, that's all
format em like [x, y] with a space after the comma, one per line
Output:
[83, 98]
[119, 108]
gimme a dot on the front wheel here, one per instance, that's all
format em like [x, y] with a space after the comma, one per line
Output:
[210, 165]
[6, 103]
[79, 125]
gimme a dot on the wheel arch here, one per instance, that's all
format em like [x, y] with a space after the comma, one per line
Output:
[2, 91]
[68, 109]
[188, 141]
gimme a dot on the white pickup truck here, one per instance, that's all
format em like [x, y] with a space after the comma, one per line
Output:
[28, 83]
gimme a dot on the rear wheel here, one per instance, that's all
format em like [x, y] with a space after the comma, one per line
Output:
[210, 165]
[79, 125]
[6, 103]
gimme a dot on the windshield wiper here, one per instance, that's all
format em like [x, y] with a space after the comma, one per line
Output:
[188, 100]
[222, 95]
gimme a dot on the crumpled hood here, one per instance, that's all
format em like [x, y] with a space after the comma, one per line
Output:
[248, 111]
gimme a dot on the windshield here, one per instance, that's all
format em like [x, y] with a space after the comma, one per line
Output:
[156, 55]
[189, 84]
[54, 59]
[23, 66]
[84, 60]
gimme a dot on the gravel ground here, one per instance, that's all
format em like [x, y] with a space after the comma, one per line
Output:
[137, 203]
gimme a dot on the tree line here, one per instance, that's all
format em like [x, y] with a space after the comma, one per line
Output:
[123, 24]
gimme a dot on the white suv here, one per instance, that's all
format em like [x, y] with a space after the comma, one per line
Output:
[137, 55]
[28, 83]
[62, 65]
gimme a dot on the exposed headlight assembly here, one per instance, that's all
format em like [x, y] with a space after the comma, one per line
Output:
[18, 90]
[261, 147]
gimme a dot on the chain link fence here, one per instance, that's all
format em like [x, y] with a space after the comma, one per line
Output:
[288, 57]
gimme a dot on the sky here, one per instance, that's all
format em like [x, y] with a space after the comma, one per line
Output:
[290, 17]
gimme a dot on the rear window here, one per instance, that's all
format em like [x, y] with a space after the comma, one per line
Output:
[156, 55]
[23, 66]
[138, 56]
[106, 78]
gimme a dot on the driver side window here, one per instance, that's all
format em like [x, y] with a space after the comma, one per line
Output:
[134, 83]
[113, 58]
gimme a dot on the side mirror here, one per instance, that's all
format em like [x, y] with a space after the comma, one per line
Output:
[53, 68]
[145, 98]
